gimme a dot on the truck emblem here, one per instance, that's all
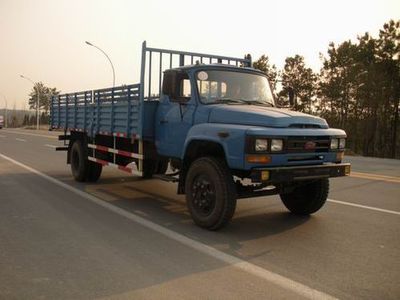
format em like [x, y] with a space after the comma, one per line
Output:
[309, 145]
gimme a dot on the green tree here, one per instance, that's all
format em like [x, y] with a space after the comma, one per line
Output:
[270, 71]
[44, 118]
[45, 94]
[337, 82]
[389, 57]
[26, 120]
[302, 80]
[32, 120]
[359, 86]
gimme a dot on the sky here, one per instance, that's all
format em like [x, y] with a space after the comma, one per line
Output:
[45, 39]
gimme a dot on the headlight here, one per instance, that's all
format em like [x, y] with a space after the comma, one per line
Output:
[334, 143]
[261, 145]
[276, 145]
[342, 143]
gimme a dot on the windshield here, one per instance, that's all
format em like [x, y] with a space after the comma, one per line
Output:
[233, 88]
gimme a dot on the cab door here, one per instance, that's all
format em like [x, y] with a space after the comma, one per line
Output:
[175, 113]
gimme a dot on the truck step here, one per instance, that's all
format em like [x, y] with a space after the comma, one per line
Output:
[61, 148]
[167, 178]
[64, 137]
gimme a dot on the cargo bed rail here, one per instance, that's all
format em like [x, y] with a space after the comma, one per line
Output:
[103, 111]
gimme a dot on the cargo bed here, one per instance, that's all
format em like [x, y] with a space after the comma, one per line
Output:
[110, 111]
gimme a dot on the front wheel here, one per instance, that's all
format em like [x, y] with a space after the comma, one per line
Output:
[308, 198]
[210, 193]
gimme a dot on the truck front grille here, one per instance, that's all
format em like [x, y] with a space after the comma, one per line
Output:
[308, 144]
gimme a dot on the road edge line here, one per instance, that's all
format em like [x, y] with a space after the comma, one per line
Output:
[31, 134]
[50, 146]
[365, 206]
[274, 278]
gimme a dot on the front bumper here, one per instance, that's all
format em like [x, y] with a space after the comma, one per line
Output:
[298, 173]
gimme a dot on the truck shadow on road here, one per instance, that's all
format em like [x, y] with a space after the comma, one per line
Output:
[157, 201]
[255, 219]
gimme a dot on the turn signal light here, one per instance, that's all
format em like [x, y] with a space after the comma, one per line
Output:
[347, 170]
[258, 159]
[264, 175]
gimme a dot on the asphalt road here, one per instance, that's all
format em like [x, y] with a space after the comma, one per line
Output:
[125, 238]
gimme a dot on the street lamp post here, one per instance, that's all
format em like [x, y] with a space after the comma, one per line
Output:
[5, 102]
[37, 103]
[112, 66]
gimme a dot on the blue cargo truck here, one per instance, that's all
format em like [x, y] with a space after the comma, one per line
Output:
[209, 123]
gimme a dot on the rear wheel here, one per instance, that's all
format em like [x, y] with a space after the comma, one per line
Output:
[308, 198]
[79, 161]
[94, 171]
[210, 193]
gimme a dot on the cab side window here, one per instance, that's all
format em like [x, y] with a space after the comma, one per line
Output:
[177, 86]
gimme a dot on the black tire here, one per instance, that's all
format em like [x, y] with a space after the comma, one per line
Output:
[79, 161]
[215, 206]
[94, 171]
[308, 198]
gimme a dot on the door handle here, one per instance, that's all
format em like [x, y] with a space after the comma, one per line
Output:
[163, 121]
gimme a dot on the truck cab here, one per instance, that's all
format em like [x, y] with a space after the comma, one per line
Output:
[229, 113]
[233, 108]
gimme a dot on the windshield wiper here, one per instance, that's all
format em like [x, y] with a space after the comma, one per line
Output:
[242, 101]
[257, 102]
[229, 100]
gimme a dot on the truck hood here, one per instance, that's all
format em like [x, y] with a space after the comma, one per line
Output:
[263, 116]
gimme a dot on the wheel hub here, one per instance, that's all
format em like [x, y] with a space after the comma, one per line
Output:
[203, 195]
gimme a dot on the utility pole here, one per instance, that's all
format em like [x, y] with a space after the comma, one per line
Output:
[112, 66]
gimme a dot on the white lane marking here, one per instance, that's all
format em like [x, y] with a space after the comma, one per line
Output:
[236, 262]
[20, 140]
[2, 136]
[32, 134]
[50, 146]
[365, 206]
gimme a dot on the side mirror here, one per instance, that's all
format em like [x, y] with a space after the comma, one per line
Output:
[292, 100]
